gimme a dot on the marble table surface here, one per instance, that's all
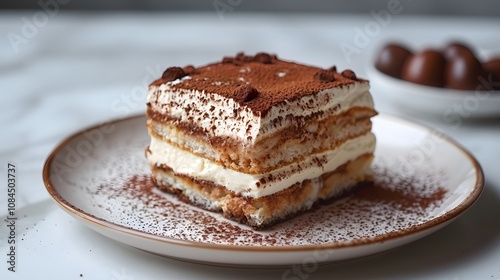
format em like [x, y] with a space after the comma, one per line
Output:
[61, 72]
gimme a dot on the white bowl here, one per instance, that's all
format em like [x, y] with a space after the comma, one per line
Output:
[444, 102]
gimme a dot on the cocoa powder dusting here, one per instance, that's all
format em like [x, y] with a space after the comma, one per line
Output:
[393, 203]
[406, 194]
[399, 198]
[262, 72]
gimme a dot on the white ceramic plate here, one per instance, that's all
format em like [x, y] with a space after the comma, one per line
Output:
[424, 181]
[445, 103]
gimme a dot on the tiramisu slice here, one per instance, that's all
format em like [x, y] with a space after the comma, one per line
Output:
[258, 138]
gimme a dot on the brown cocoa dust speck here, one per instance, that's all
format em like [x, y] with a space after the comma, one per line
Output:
[401, 192]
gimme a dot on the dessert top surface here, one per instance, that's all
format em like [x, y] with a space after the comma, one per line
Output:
[259, 81]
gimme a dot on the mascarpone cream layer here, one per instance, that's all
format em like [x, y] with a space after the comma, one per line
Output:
[250, 185]
[221, 116]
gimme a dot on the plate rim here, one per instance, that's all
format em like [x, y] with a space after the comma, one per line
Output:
[448, 216]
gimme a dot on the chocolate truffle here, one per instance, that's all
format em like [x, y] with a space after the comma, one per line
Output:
[463, 72]
[391, 60]
[492, 67]
[426, 68]
[457, 49]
